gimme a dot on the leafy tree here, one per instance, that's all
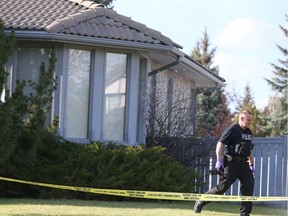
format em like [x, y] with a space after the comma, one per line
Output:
[276, 116]
[213, 114]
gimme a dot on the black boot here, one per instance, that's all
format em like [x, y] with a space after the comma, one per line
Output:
[198, 206]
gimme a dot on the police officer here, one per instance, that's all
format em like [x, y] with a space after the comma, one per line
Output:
[237, 162]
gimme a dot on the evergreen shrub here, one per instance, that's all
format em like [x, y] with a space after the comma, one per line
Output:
[111, 166]
[31, 150]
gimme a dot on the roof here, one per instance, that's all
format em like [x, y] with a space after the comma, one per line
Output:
[85, 22]
[76, 17]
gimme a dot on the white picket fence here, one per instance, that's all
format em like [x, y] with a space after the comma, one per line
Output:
[270, 159]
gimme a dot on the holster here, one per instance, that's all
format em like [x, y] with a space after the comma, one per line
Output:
[236, 159]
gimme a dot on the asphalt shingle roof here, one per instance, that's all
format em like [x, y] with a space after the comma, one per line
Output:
[76, 17]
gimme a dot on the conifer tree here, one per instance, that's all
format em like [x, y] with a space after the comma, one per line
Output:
[22, 117]
[8, 123]
[213, 114]
[276, 119]
[247, 103]
[6, 46]
[247, 100]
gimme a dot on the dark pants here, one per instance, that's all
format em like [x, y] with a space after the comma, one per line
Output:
[233, 171]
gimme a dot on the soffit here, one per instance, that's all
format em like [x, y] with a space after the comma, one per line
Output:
[187, 68]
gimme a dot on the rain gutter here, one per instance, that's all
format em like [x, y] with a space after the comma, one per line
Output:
[198, 68]
[179, 59]
[65, 38]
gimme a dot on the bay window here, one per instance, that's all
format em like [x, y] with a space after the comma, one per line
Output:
[77, 95]
[114, 97]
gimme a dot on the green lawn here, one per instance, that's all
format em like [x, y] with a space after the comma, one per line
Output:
[33, 207]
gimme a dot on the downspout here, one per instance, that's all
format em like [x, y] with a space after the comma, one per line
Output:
[179, 58]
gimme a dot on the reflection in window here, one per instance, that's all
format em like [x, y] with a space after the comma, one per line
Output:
[115, 96]
[28, 68]
[29, 61]
[77, 101]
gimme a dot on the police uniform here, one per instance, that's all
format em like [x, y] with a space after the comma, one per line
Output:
[238, 146]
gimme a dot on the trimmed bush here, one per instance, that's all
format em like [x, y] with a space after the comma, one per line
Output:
[112, 166]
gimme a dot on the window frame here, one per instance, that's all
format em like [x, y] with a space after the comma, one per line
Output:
[13, 75]
[97, 91]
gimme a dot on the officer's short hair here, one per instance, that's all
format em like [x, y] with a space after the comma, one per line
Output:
[245, 112]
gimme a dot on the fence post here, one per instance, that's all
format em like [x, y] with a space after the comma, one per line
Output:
[285, 174]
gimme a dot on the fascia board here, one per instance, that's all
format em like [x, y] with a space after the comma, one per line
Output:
[41, 36]
[199, 69]
[44, 36]
[203, 72]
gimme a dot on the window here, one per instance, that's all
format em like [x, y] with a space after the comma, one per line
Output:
[115, 97]
[28, 65]
[28, 68]
[77, 97]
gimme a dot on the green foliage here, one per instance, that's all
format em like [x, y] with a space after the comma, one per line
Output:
[280, 80]
[275, 117]
[111, 166]
[213, 114]
[31, 150]
[99, 165]
[247, 103]
[22, 117]
[40, 101]
[9, 117]
[203, 55]
[6, 47]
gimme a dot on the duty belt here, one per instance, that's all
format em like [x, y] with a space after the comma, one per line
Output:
[237, 159]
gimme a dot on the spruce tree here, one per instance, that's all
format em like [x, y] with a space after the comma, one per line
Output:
[276, 120]
[213, 114]
[247, 103]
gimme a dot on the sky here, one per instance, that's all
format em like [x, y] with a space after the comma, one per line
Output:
[244, 33]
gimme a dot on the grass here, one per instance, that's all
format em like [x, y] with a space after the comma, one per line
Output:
[33, 207]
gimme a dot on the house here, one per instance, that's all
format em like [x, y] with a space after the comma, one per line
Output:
[106, 64]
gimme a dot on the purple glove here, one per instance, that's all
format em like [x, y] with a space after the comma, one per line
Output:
[252, 169]
[219, 164]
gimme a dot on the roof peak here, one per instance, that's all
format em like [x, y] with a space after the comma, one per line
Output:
[87, 3]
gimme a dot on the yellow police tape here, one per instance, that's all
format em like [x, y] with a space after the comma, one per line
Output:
[153, 194]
